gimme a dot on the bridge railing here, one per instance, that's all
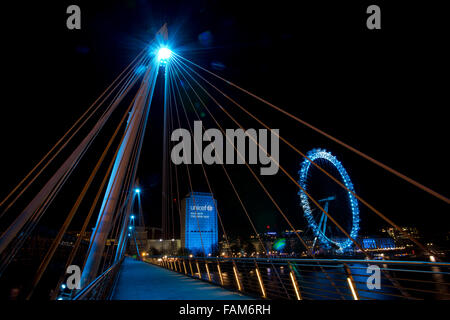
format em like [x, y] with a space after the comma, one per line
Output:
[312, 279]
[102, 287]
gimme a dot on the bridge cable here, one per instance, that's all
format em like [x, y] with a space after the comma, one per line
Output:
[190, 129]
[340, 227]
[91, 108]
[290, 177]
[141, 135]
[131, 173]
[229, 179]
[372, 208]
[207, 181]
[28, 220]
[131, 166]
[88, 218]
[263, 187]
[376, 162]
[91, 211]
[188, 175]
[53, 186]
[73, 211]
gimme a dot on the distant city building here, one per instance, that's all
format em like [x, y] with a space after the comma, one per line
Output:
[160, 246]
[406, 231]
[378, 243]
[199, 222]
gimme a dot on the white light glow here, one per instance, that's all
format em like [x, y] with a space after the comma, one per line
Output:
[164, 54]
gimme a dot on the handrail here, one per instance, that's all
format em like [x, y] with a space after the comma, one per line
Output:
[106, 278]
[273, 260]
[296, 278]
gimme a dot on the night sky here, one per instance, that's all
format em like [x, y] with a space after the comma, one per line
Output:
[384, 92]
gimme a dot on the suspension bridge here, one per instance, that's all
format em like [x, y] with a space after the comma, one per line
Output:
[110, 195]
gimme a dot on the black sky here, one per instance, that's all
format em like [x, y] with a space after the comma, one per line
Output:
[384, 92]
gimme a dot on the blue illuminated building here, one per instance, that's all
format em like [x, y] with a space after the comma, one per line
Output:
[378, 243]
[199, 222]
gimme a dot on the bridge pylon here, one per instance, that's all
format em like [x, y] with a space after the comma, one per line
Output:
[119, 181]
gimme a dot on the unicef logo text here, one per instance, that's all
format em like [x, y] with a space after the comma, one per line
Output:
[202, 208]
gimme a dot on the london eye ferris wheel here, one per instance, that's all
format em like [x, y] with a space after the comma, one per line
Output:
[338, 202]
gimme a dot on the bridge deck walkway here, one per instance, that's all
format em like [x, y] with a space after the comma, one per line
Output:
[142, 281]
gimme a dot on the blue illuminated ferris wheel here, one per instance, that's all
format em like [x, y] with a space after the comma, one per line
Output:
[317, 220]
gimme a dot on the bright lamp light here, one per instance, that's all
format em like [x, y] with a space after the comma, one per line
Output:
[164, 54]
